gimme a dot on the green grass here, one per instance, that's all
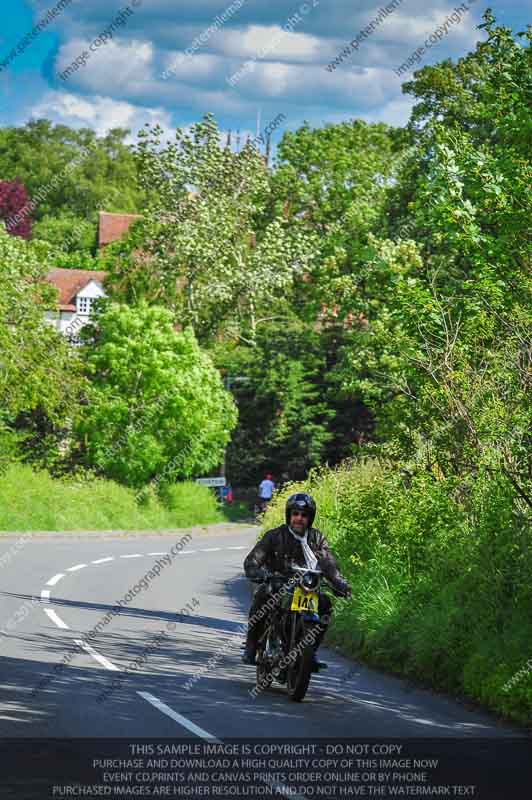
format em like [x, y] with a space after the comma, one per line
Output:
[31, 501]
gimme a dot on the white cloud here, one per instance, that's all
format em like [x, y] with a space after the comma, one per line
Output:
[100, 113]
[122, 82]
[313, 85]
[121, 61]
[262, 41]
[192, 69]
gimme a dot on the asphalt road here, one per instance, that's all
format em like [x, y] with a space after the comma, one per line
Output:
[188, 680]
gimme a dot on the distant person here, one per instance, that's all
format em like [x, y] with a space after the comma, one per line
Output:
[226, 493]
[266, 488]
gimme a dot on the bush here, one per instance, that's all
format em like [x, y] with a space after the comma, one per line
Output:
[34, 501]
[441, 572]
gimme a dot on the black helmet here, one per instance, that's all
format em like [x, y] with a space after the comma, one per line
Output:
[300, 500]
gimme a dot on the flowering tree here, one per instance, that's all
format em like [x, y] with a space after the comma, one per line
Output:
[202, 247]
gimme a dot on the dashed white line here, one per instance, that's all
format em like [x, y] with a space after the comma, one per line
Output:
[101, 659]
[45, 597]
[55, 579]
[186, 723]
[240, 547]
[57, 620]
[203, 734]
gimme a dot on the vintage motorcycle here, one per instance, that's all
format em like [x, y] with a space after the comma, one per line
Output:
[285, 650]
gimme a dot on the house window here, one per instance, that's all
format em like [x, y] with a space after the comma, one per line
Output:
[84, 305]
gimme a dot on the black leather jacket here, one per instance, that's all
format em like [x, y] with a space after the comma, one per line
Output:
[277, 546]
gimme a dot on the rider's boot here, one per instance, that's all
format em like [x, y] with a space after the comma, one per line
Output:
[249, 655]
[250, 650]
[316, 664]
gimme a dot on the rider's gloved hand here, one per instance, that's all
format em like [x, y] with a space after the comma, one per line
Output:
[342, 589]
[261, 574]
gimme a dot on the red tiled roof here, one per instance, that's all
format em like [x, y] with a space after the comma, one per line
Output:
[70, 282]
[113, 226]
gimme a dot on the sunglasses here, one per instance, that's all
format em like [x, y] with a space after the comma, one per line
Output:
[304, 514]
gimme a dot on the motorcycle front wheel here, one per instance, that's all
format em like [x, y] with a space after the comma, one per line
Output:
[298, 675]
[264, 675]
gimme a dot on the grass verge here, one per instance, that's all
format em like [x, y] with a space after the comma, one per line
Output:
[34, 501]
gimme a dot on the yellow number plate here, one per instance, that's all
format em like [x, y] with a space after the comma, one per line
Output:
[304, 601]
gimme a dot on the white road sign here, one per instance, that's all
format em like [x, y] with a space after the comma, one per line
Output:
[219, 481]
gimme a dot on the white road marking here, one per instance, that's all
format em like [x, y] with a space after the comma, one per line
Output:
[101, 659]
[186, 723]
[53, 616]
[156, 554]
[55, 579]
[203, 734]
[75, 569]
[187, 552]
[240, 547]
[101, 560]
[210, 549]
[133, 555]
[45, 595]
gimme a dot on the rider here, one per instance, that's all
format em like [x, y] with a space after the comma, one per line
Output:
[298, 541]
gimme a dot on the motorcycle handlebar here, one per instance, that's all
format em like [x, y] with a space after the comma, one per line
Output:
[269, 575]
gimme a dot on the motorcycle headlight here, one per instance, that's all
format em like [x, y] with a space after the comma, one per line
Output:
[310, 581]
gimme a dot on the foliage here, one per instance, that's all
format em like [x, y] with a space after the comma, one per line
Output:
[441, 576]
[40, 374]
[487, 93]
[67, 234]
[157, 409]
[33, 501]
[332, 181]
[438, 309]
[13, 198]
[70, 171]
[198, 248]
[283, 416]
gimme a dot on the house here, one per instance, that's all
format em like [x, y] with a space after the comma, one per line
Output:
[78, 289]
[113, 226]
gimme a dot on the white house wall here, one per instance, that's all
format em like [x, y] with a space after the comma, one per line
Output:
[70, 322]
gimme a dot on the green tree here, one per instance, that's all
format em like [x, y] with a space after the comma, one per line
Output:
[67, 234]
[332, 181]
[449, 296]
[157, 408]
[40, 375]
[70, 171]
[284, 418]
[198, 247]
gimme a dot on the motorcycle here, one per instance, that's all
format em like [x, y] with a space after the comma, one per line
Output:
[285, 650]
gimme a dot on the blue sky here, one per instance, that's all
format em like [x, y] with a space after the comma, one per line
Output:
[284, 46]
